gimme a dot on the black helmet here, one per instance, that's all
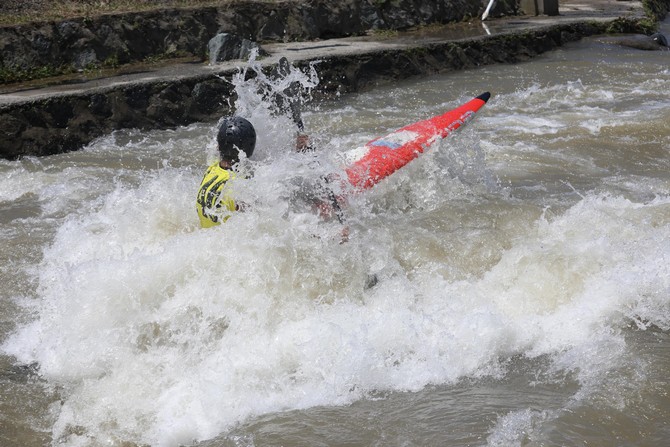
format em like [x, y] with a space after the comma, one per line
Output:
[236, 134]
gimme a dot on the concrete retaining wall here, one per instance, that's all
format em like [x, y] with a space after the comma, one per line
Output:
[38, 49]
[62, 124]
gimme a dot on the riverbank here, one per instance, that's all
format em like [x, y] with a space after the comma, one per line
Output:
[56, 115]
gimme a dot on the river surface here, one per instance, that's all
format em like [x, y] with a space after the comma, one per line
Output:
[522, 271]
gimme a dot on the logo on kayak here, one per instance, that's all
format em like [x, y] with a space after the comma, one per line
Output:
[395, 140]
[467, 116]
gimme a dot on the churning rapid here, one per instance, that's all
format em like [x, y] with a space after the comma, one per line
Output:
[522, 291]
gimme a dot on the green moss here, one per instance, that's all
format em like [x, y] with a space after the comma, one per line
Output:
[10, 75]
[648, 26]
[417, 52]
[112, 61]
[384, 32]
[625, 25]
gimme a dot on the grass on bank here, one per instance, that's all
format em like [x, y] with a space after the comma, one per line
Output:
[17, 12]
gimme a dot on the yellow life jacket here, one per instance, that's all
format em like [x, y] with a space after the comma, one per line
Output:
[215, 202]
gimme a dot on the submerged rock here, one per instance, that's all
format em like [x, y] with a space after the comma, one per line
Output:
[654, 42]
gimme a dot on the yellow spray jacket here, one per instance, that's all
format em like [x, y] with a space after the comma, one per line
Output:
[215, 202]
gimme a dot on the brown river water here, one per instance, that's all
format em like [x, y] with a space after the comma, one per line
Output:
[522, 267]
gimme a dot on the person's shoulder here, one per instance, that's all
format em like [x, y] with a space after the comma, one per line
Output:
[215, 170]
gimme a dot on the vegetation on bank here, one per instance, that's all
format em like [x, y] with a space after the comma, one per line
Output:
[624, 25]
[15, 12]
[656, 9]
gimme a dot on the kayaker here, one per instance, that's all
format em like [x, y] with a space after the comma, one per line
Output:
[215, 202]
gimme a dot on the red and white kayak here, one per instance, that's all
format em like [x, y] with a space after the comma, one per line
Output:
[381, 157]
